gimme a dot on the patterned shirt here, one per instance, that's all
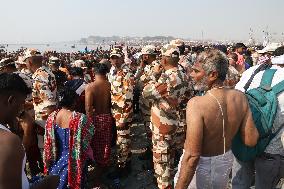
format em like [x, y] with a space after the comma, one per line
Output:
[44, 92]
[166, 95]
[122, 83]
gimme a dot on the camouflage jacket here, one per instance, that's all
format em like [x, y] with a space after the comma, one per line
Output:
[122, 83]
[166, 95]
[44, 92]
[148, 74]
[185, 65]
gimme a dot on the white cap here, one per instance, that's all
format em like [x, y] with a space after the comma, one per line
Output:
[53, 58]
[278, 59]
[269, 48]
[79, 63]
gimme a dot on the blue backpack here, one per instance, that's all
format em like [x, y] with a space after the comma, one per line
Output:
[263, 105]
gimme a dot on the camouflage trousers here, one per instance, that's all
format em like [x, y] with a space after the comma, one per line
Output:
[180, 137]
[163, 158]
[145, 107]
[123, 147]
[180, 132]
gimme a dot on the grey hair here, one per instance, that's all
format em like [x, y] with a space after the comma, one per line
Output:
[214, 60]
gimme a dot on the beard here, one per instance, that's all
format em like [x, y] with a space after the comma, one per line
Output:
[201, 85]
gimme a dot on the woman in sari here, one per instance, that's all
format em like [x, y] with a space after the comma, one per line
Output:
[67, 139]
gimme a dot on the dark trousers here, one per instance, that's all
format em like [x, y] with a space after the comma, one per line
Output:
[268, 169]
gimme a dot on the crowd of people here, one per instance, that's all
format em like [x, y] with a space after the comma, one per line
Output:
[211, 114]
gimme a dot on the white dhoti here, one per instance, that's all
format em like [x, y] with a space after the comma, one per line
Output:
[211, 172]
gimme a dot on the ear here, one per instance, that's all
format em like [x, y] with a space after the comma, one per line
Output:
[213, 76]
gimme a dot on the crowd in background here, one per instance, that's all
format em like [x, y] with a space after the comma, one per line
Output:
[70, 109]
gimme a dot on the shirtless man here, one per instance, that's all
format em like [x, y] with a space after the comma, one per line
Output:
[98, 93]
[13, 92]
[98, 106]
[212, 122]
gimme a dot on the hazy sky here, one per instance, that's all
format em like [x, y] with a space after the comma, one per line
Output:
[24, 21]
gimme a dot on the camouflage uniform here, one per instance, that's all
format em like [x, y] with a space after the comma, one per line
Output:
[181, 130]
[184, 66]
[185, 63]
[165, 95]
[184, 60]
[122, 83]
[44, 93]
[147, 75]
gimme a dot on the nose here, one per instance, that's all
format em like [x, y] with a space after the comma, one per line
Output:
[192, 74]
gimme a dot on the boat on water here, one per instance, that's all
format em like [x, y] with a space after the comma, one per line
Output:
[73, 46]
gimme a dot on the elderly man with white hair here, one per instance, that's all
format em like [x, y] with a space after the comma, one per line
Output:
[212, 121]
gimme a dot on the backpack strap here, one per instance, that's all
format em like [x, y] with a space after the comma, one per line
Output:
[278, 88]
[266, 79]
[262, 67]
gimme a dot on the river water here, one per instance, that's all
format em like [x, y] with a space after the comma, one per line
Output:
[59, 47]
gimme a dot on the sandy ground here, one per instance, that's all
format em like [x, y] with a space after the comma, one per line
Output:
[140, 177]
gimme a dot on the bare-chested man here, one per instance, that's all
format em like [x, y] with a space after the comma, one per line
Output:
[98, 106]
[212, 122]
[98, 93]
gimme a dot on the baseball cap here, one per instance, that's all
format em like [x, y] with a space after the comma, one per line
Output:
[149, 49]
[170, 51]
[31, 53]
[177, 42]
[53, 60]
[269, 48]
[278, 56]
[79, 64]
[116, 52]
